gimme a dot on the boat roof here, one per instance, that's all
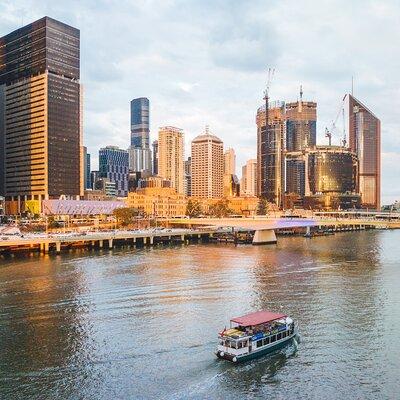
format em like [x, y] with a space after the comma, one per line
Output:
[258, 317]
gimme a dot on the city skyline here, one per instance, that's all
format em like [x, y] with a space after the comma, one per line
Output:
[224, 102]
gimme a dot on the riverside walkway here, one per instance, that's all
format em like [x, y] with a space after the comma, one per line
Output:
[56, 242]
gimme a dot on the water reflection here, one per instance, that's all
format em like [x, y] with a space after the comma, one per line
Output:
[133, 323]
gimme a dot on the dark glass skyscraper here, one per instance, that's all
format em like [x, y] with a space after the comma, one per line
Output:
[114, 165]
[270, 153]
[40, 96]
[365, 141]
[139, 151]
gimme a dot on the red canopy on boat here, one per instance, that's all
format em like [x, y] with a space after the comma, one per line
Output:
[258, 317]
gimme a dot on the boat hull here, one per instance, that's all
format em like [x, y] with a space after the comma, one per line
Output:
[257, 353]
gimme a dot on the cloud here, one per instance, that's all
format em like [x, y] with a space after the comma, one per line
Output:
[204, 62]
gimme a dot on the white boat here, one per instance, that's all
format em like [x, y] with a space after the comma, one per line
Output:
[253, 335]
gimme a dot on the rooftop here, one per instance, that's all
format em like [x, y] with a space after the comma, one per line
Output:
[258, 317]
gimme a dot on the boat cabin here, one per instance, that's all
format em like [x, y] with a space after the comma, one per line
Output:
[254, 332]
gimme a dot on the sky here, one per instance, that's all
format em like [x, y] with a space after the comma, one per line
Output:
[205, 63]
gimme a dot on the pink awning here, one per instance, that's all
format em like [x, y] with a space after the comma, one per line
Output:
[258, 317]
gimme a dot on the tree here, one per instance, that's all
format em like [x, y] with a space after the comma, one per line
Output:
[262, 206]
[220, 209]
[193, 209]
[125, 215]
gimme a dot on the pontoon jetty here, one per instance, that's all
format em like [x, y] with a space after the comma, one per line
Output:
[255, 334]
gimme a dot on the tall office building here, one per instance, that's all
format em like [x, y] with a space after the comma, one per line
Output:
[365, 141]
[188, 176]
[114, 166]
[155, 157]
[249, 178]
[40, 113]
[270, 153]
[170, 156]
[230, 162]
[301, 133]
[86, 169]
[207, 166]
[139, 150]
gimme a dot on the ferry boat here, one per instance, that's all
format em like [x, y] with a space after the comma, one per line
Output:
[255, 334]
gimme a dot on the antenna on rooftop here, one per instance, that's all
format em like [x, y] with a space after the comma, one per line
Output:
[207, 129]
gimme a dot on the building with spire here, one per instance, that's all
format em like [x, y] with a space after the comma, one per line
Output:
[364, 129]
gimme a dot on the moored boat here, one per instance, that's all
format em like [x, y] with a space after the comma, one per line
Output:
[253, 335]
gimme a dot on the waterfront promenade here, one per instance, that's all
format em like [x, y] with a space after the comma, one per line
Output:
[56, 242]
[190, 229]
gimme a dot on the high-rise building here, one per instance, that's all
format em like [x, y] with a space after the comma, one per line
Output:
[301, 133]
[230, 162]
[155, 157]
[40, 113]
[331, 178]
[207, 166]
[94, 177]
[86, 169]
[170, 156]
[188, 176]
[139, 150]
[249, 178]
[114, 165]
[270, 153]
[365, 141]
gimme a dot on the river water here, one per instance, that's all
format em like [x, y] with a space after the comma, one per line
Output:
[142, 323]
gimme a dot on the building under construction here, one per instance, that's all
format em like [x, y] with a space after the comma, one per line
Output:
[331, 182]
[270, 152]
[301, 134]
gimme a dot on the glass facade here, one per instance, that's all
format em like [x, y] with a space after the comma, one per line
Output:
[295, 175]
[140, 159]
[365, 141]
[40, 111]
[331, 169]
[270, 153]
[114, 165]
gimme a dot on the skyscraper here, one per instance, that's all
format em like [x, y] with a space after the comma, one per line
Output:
[86, 169]
[249, 178]
[170, 156]
[188, 176]
[207, 166]
[270, 153]
[114, 165]
[365, 141]
[301, 133]
[40, 109]
[230, 162]
[155, 157]
[139, 150]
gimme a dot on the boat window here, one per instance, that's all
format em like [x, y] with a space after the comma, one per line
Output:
[279, 336]
[267, 340]
[273, 338]
[264, 342]
[259, 343]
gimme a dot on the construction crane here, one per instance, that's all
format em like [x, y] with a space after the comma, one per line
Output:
[271, 73]
[329, 132]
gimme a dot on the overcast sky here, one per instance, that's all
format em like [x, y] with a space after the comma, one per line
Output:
[204, 63]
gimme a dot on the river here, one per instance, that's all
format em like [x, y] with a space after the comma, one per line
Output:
[143, 323]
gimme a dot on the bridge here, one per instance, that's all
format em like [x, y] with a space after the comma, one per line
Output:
[264, 228]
